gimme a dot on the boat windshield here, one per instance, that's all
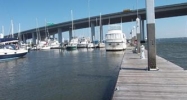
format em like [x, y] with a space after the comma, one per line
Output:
[1, 46]
[113, 36]
[11, 47]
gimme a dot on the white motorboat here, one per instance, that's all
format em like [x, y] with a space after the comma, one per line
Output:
[90, 45]
[25, 46]
[115, 38]
[101, 45]
[43, 45]
[82, 42]
[73, 44]
[54, 44]
[9, 49]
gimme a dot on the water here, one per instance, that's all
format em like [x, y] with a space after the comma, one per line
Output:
[83, 74]
[174, 50]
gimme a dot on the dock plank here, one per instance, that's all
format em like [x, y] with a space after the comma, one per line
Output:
[136, 83]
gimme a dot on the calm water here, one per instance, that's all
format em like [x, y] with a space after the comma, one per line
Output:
[83, 74]
[60, 75]
[174, 50]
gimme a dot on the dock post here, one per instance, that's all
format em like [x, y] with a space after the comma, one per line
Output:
[150, 15]
[59, 35]
[92, 31]
[138, 33]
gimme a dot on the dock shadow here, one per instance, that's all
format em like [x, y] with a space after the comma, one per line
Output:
[143, 69]
[134, 58]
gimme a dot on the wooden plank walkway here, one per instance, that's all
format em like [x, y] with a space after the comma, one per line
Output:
[136, 83]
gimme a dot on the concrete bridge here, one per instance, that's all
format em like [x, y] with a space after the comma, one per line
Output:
[123, 16]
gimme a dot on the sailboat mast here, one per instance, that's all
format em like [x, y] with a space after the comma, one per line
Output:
[100, 28]
[89, 18]
[46, 28]
[12, 28]
[37, 31]
[3, 30]
[137, 7]
[19, 33]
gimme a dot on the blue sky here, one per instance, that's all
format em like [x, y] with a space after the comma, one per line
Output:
[25, 12]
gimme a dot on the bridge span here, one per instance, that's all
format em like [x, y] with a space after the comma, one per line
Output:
[124, 16]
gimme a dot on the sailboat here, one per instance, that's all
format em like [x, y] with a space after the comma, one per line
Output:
[21, 43]
[41, 45]
[90, 45]
[74, 41]
[46, 46]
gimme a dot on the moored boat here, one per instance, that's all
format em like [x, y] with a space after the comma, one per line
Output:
[90, 45]
[9, 48]
[73, 44]
[115, 39]
[82, 42]
[54, 44]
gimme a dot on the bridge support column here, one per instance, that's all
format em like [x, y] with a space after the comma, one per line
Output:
[24, 39]
[33, 38]
[59, 35]
[53, 36]
[92, 32]
[42, 36]
[70, 35]
[150, 15]
[101, 33]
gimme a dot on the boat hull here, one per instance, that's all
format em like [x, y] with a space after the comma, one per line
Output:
[100, 45]
[81, 45]
[71, 47]
[45, 48]
[6, 56]
[115, 46]
[90, 45]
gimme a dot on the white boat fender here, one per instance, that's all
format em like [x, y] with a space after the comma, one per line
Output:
[142, 53]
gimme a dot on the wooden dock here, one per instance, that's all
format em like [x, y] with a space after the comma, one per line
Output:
[136, 83]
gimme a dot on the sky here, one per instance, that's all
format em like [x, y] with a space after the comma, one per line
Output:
[25, 12]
